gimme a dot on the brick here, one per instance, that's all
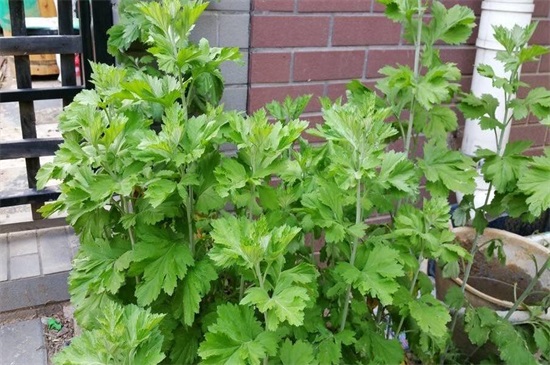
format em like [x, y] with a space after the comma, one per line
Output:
[399, 146]
[273, 5]
[542, 9]
[475, 5]
[3, 257]
[530, 67]
[531, 132]
[534, 80]
[289, 31]
[378, 7]
[313, 120]
[378, 58]
[24, 266]
[542, 33]
[235, 73]
[336, 90]
[258, 96]
[538, 151]
[22, 243]
[364, 30]
[333, 5]
[464, 57]
[471, 41]
[328, 65]
[466, 83]
[233, 30]
[234, 98]
[270, 67]
[55, 252]
[232, 5]
[206, 27]
[545, 63]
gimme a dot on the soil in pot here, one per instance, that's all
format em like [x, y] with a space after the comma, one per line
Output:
[505, 282]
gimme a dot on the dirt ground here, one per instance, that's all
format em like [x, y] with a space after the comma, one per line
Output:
[55, 339]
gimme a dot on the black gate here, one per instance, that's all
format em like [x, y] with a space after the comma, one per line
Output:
[90, 42]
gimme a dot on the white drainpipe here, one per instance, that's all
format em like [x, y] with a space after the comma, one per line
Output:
[506, 13]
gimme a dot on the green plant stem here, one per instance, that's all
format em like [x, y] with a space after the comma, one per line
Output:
[184, 101]
[358, 219]
[417, 47]
[252, 201]
[499, 144]
[190, 219]
[129, 209]
[250, 216]
[467, 271]
[529, 289]
[241, 288]
[260, 277]
[413, 286]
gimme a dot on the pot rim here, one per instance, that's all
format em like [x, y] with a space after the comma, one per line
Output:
[522, 240]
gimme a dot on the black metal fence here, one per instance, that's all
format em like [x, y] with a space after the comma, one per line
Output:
[90, 42]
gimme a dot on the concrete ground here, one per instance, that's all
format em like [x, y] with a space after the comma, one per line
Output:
[34, 267]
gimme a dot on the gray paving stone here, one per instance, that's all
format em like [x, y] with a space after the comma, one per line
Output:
[234, 73]
[55, 253]
[22, 243]
[235, 5]
[22, 343]
[233, 30]
[24, 266]
[3, 257]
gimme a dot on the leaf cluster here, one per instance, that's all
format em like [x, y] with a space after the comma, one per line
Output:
[262, 253]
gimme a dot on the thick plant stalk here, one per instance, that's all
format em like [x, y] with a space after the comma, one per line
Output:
[358, 219]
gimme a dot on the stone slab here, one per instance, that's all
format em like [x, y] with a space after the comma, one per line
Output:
[22, 243]
[25, 266]
[24, 293]
[22, 343]
[55, 253]
[231, 5]
[3, 257]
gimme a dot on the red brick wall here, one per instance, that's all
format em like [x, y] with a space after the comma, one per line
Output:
[317, 46]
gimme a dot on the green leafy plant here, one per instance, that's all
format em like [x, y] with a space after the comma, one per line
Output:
[264, 254]
[123, 335]
[514, 178]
